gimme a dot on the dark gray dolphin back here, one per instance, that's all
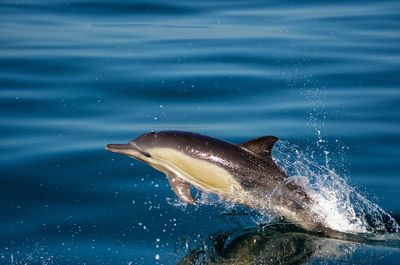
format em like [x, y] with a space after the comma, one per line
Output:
[179, 140]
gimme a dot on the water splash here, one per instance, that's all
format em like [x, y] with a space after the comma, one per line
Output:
[337, 204]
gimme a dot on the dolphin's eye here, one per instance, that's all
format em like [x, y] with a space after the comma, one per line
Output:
[141, 151]
[145, 153]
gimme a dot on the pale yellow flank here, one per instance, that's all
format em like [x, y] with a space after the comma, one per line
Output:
[199, 173]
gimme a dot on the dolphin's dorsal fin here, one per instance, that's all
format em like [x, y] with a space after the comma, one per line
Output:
[181, 188]
[260, 146]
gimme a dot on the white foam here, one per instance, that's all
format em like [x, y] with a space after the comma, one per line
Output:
[337, 204]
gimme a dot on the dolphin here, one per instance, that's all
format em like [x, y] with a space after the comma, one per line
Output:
[271, 244]
[239, 173]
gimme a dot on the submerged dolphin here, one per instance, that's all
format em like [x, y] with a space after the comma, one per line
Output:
[268, 245]
[244, 173]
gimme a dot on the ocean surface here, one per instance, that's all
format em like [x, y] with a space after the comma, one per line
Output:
[323, 76]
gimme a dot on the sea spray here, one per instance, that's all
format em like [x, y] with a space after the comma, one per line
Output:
[337, 204]
[334, 203]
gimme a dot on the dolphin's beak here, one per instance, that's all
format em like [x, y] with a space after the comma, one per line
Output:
[119, 148]
[126, 149]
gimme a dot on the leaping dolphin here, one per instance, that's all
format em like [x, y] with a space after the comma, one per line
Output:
[244, 173]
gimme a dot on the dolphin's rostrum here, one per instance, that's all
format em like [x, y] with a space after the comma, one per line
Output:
[244, 173]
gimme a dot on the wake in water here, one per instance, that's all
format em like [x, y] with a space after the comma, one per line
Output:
[336, 203]
[277, 244]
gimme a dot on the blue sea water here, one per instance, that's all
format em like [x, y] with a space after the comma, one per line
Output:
[77, 75]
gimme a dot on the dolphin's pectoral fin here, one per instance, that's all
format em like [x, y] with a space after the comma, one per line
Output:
[261, 145]
[181, 188]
